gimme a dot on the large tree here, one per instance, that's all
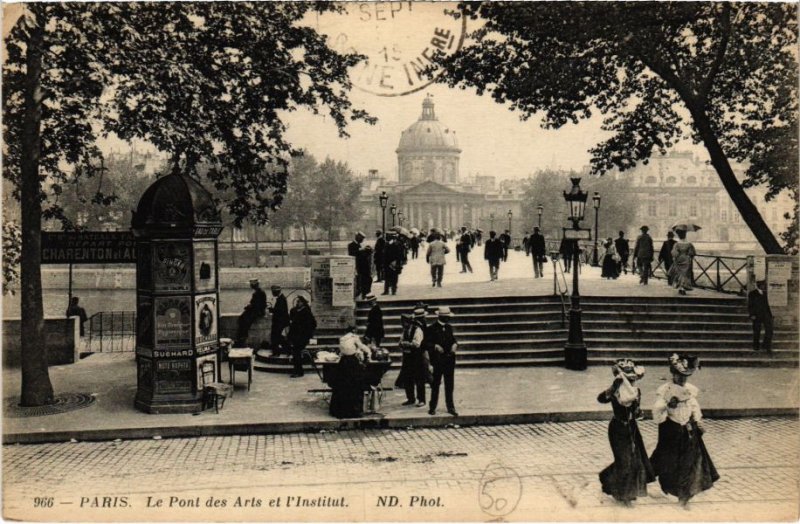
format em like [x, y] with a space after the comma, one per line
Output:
[337, 193]
[207, 83]
[724, 72]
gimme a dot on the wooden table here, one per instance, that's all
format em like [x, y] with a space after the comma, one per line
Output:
[240, 359]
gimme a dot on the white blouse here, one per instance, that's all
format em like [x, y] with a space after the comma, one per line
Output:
[685, 410]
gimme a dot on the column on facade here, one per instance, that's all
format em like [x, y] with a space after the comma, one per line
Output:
[439, 216]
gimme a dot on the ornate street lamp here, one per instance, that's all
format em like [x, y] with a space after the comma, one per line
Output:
[384, 199]
[540, 210]
[575, 349]
[393, 209]
[596, 205]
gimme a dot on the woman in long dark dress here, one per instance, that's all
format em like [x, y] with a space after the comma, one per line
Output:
[630, 472]
[680, 460]
[610, 261]
[348, 382]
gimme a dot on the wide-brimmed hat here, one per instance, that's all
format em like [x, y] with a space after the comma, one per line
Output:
[628, 368]
[253, 281]
[370, 297]
[444, 311]
[419, 311]
[644, 228]
[275, 288]
[360, 234]
[683, 364]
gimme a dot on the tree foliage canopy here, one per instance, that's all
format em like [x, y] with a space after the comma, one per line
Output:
[726, 73]
[208, 83]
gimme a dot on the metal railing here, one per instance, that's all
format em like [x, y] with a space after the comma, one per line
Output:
[111, 332]
[719, 273]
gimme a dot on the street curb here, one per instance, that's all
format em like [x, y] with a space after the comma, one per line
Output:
[367, 422]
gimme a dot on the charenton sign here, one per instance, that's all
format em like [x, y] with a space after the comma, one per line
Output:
[88, 247]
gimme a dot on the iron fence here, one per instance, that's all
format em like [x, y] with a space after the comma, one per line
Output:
[111, 332]
[723, 274]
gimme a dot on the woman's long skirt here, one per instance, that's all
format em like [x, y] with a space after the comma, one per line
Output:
[347, 398]
[609, 267]
[628, 476]
[681, 271]
[681, 460]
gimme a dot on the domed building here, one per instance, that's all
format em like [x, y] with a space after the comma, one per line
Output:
[428, 150]
[429, 190]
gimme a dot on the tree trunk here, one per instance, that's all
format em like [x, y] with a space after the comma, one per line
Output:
[747, 209]
[36, 387]
[283, 260]
[305, 244]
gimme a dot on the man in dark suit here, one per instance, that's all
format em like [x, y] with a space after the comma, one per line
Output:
[565, 249]
[255, 309]
[538, 249]
[377, 256]
[464, 247]
[624, 251]
[354, 246]
[280, 320]
[505, 238]
[643, 253]
[392, 263]
[441, 345]
[375, 331]
[363, 271]
[526, 244]
[493, 253]
[302, 325]
[761, 315]
[665, 255]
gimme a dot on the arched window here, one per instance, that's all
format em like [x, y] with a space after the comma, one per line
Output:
[690, 180]
[650, 180]
[670, 180]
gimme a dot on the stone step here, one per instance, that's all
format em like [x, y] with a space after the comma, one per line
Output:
[408, 303]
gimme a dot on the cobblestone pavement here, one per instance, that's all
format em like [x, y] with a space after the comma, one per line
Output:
[534, 472]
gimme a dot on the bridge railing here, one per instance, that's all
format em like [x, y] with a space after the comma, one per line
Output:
[719, 273]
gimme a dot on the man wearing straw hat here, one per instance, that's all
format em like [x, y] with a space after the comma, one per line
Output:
[643, 253]
[441, 345]
[255, 309]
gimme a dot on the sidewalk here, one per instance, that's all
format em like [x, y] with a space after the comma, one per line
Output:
[278, 404]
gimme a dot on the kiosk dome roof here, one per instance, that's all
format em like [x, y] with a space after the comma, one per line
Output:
[175, 200]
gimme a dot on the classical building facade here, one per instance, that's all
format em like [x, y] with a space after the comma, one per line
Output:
[680, 186]
[430, 191]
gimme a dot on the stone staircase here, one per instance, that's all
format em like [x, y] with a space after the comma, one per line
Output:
[528, 331]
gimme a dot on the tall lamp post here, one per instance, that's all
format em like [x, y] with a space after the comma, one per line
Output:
[596, 205]
[510, 215]
[383, 198]
[393, 209]
[540, 210]
[575, 349]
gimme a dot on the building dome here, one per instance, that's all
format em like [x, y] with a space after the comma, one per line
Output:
[428, 150]
[428, 133]
[175, 202]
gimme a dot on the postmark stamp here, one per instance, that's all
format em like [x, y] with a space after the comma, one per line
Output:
[401, 40]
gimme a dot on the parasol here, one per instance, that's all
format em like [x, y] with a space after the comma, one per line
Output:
[402, 231]
[686, 226]
[414, 230]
